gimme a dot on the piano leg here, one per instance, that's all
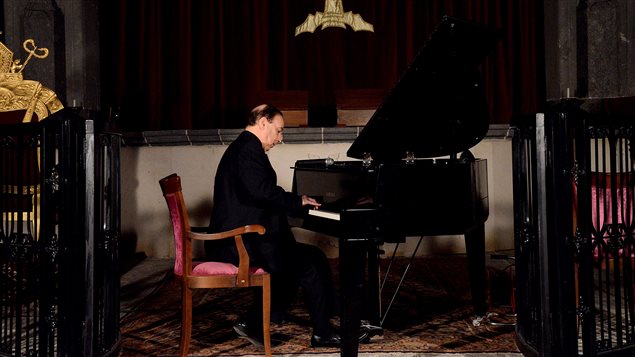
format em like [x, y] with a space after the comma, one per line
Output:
[352, 265]
[374, 277]
[475, 249]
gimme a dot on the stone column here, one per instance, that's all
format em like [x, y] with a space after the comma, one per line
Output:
[42, 21]
[82, 54]
[610, 42]
[590, 48]
[70, 30]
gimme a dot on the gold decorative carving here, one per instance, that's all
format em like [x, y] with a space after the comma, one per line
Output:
[333, 16]
[6, 58]
[16, 93]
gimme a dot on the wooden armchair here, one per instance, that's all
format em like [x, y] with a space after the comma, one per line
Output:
[210, 275]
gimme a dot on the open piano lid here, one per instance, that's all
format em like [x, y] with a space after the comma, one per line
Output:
[438, 107]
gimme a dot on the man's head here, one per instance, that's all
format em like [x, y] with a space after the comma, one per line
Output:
[266, 122]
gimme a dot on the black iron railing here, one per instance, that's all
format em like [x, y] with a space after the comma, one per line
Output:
[574, 219]
[59, 203]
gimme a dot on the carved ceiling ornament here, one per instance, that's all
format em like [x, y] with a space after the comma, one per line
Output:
[16, 93]
[333, 16]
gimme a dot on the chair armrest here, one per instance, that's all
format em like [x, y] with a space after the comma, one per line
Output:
[242, 278]
[253, 228]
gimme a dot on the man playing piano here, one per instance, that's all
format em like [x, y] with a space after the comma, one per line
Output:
[246, 192]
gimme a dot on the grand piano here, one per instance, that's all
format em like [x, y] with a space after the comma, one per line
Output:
[413, 176]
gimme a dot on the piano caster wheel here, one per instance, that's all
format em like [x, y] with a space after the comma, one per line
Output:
[495, 319]
[371, 330]
[479, 320]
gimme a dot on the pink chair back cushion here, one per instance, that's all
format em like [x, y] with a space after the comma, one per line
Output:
[198, 268]
[177, 228]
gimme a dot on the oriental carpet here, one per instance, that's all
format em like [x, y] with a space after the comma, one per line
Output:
[431, 314]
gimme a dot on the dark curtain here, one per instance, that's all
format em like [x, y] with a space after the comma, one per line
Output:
[178, 64]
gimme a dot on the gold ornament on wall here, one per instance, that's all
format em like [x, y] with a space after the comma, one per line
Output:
[333, 16]
[19, 94]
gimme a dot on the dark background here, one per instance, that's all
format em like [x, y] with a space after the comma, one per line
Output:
[203, 64]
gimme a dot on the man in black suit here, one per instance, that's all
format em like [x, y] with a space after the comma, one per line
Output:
[246, 192]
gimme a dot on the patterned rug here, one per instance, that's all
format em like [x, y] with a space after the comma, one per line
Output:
[431, 313]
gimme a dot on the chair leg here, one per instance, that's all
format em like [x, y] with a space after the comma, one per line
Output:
[266, 313]
[186, 319]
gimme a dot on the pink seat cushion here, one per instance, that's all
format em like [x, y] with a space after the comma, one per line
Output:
[218, 268]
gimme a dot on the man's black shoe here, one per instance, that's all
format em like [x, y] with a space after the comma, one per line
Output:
[328, 341]
[334, 340]
[244, 330]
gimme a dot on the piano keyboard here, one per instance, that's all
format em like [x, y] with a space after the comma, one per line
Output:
[325, 214]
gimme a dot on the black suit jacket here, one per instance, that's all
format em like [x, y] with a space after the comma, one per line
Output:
[246, 192]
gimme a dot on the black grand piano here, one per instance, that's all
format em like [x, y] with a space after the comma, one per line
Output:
[414, 174]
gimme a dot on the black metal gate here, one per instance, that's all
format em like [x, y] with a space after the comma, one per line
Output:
[574, 197]
[59, 203]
